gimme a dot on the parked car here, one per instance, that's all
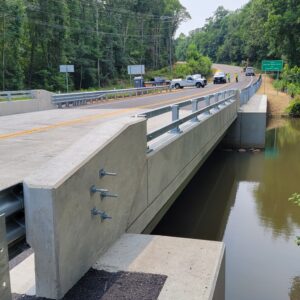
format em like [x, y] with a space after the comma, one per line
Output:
[249, 71]
[189, 81]
[220, 77]
[157, 81]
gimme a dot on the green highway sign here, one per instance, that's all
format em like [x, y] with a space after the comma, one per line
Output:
[272, 65]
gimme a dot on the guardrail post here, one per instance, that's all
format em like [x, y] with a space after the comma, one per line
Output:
[5, 292]
[9, 96]
[175, 117]
[194, 109]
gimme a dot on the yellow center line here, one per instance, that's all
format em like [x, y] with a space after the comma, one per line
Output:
[95, 117]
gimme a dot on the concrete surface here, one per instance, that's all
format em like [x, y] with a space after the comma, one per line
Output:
[42, 101]
[65, 237]
[249, 130]
[194, 268]
[22, 277]
[5, 291]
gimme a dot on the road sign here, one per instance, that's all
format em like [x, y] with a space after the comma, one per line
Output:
[136, 69]
[272, 65]
[66, 68]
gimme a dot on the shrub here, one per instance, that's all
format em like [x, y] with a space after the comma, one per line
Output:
[294, 108]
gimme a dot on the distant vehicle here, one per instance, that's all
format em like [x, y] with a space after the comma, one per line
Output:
[189, 81]
[249, 71]
[220, 77]
[157, 81]
[196, 76]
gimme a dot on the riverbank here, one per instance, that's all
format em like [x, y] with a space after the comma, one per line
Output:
[277, 101]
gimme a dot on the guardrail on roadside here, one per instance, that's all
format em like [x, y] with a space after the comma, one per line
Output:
[249, 91]
[12, 206]
[212, 102]
[5, 291]
[15, 95]
[82, 98]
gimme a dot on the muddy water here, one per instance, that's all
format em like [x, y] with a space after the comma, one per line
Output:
[242, 199]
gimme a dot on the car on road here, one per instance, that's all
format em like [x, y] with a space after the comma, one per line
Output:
[196, 76]
[189, 81]
[220, 77]
[249, 71]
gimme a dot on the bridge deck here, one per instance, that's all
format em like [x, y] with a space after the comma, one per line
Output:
[27, 141]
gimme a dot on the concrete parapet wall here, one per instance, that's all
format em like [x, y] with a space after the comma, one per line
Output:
[249, 129]
[42, 101]
[66, 238]
[171, 167]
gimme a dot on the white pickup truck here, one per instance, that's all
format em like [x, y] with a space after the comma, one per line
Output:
[191, 80]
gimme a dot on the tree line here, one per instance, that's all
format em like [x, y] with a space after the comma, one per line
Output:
[262, 29]
[99, 37]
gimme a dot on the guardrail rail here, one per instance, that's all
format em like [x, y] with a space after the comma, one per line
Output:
[16, 95]
[83, 98]
[12, 206]
[212, 102]
[5, 291]
[249, 91]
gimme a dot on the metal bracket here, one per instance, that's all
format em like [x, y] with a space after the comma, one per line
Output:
[102, 214]
[103, 192]
[103, 173]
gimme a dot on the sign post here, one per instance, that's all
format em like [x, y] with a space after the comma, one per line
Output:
[66, 69]
[135, 70]
[271, 66]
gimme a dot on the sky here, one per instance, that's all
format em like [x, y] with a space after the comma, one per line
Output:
[203, 9]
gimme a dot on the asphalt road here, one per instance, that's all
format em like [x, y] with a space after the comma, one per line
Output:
[153, 101]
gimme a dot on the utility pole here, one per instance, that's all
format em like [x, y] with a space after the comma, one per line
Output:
[171, 46]
[97, 29]
[3, 54]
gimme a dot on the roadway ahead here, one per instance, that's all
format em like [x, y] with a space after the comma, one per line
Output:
[27, 141]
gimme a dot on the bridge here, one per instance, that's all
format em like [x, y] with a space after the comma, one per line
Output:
[89, 181]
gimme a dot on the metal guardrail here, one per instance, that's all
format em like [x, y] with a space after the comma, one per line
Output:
[83, 98]
[12, 206]
[249, 91]
[5, 291]
[15, 95]
[213, 101]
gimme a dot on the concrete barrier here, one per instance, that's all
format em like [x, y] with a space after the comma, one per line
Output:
[249, 130]
[5, 292]
[171, 167]
[42, 101]
[59, 200]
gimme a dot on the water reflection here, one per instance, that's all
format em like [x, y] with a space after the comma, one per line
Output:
[242, 199]
[281, 174]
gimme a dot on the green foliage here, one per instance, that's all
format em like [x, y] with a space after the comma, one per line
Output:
[294, 108]
[295, 198]
[289, 82]
[262, 29]
[99, 37]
